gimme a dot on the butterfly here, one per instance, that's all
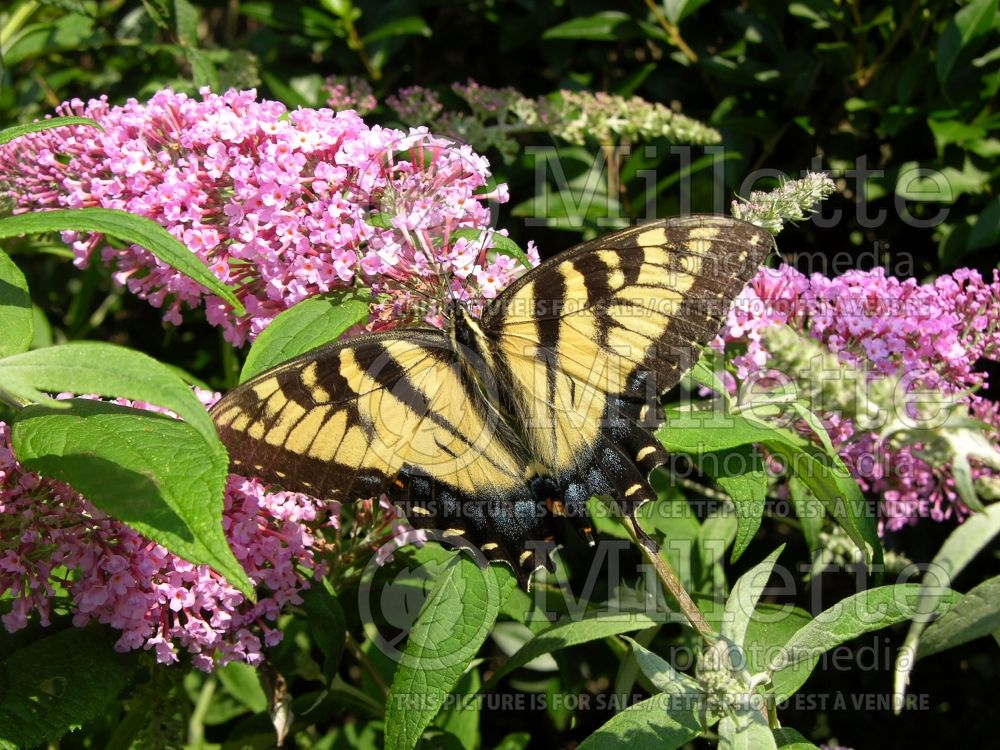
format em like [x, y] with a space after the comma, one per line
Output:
[491, 429]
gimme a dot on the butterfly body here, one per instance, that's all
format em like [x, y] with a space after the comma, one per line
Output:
[489, 431]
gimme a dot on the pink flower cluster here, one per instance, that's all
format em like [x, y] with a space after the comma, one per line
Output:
[56, 549]
[280, 205]
[934, 333]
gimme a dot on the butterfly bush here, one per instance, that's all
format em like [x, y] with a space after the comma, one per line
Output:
[931, 334]
[281, 205]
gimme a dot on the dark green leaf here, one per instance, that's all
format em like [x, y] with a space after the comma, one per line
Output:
[678, 10]
[454, 622]
[186, 22]
[694, 432]
[16, 318]
[565, 633]
[516, 741]
[312, 322]
[408, 26]
[740, 472]
[151, 472]
[327, 624]
[606, 26]
[847, 619]
[808, 510]
[789, 739]
[127, 227]
[975, 615]
[970, 23]
[242, 682]
[770, 628]
[203, 70]
[461, 718]
[658, 723]
[49, 687]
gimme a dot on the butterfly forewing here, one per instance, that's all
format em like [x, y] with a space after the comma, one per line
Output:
[347, 419]
[602, 330]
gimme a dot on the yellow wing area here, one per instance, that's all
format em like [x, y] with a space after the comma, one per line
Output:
[347, 420]
[615, 321]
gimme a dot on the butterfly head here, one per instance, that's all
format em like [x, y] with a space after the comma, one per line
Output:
[466, 331]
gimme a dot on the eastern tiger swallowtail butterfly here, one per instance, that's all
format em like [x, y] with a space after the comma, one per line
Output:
[488, 430]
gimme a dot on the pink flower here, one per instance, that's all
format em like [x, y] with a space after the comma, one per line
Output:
[280, 205]
[934, 333]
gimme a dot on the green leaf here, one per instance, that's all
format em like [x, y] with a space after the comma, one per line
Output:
[150, 471]
[186, 22]
[789, 739]
[747, 730]
[242, 682]
[705, 373]
[312, 322]
[408, 26]
[740, 472]
[808, 510]
[986, 230]
[847, 619]
[657, 723]
[971, 22]
[694, 432]
[678, 10]
[514, 741]
[664, 677]
[16, 318]
[501, 243]
[92, 367]
[454, 622]
[49, 687]
[770, 628]
[71, 32]
[129, 228]
[963, 544]
[461, 718]
[327, 624]
[42, 335]
[16, 131]
[829, 480]
[975, 615]
[566, 633]
[606, 26]
[744, 597]
[379, 220]
[203, 70]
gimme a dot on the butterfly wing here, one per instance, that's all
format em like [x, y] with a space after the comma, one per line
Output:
[390, 413]
[588, 341]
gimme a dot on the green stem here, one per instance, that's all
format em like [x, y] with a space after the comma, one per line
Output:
[669, 578]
